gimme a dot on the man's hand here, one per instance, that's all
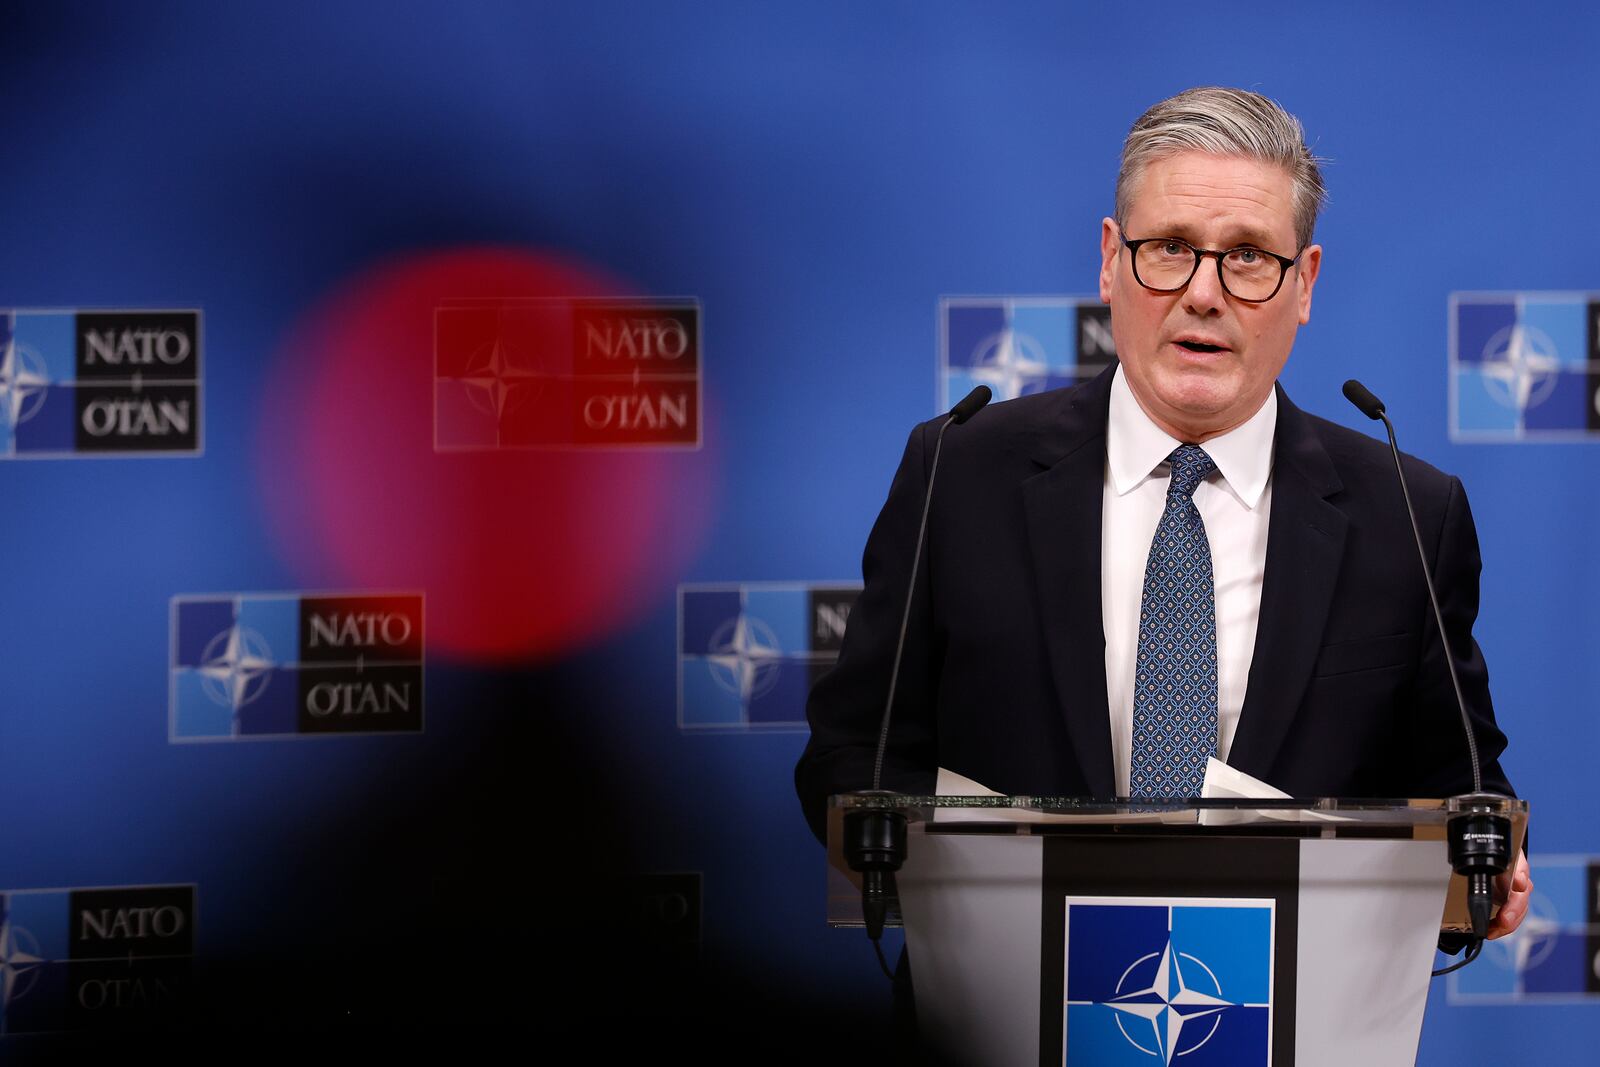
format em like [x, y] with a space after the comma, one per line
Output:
[1511, 891]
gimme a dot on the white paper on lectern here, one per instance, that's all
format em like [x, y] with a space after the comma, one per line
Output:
[951, 784]
[1229, 783]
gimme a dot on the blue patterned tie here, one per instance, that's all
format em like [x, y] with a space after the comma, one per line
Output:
[1175, 682]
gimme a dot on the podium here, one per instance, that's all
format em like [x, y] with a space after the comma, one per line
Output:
[1066, 932]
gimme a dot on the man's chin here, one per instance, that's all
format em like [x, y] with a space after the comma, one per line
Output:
[1195, 418]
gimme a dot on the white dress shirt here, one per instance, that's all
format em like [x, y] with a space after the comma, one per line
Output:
[1233, 502]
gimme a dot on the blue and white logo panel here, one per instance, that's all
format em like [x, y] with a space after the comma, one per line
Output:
[1018, 345]
[748, 653]
[254, 666]
[1554, 957]
[1524, 366]
[99, 383]
[95, 958]
[1153, 980]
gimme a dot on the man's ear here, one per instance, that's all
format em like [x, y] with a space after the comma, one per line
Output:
[1310, 264]
[1110, 245]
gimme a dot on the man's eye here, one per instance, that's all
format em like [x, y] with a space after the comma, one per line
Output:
[1248, 256]
[1174, 248]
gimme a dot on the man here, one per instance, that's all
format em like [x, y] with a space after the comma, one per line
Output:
[1058, 565]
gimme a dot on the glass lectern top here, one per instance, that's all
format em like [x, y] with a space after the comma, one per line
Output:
[1076, 810]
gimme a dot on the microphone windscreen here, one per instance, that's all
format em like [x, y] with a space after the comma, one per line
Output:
[971, 404]
[1362, 397]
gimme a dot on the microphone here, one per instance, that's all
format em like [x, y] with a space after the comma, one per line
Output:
[875, 839]
[1479, 839]
[970, 405]
[1362, 398]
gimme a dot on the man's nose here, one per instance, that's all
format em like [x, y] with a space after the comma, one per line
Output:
[1205, 294]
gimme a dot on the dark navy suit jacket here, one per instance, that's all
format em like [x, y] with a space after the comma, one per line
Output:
[1004, 672]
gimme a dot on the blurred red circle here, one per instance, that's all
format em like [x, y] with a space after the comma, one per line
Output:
[523, 554]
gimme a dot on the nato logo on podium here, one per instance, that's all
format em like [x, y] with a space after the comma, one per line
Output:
[1186, 981]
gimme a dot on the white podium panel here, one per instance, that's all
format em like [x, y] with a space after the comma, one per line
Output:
[1105, 949]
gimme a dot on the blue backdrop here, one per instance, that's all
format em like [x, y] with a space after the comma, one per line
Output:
[817, 177]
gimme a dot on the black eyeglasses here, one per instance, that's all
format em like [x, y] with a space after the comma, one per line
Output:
[1167, 264]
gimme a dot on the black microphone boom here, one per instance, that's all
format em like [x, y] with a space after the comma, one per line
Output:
[1479, 839]
[969, 406]
[1373, 408]
[875, 838]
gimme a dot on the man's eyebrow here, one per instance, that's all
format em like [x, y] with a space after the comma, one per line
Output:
[1249, 235]
[1244, 235]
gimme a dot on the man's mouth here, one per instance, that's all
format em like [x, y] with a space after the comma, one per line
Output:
[1199, 346]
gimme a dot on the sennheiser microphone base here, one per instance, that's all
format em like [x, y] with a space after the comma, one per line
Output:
[1479, 844]
[875, 847]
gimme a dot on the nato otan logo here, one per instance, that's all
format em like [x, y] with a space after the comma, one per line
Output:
[1524, 366]
[1017, 345]
[567, 374]
[749, 653]
[1554, 956]
[82, 383]
[94, 959]
[1185, 981]
[287, 665]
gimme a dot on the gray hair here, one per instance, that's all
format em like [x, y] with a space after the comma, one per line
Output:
[1225, 122]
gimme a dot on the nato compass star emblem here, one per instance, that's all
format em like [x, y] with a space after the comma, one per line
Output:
[1521, 366]
[236, 667]
[749, 652]
[19, 962]
[496, 384]
[1174, 1017]
[22, 383]
[1011, 363]
[745, 656]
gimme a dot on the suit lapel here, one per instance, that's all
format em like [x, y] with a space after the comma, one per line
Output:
[1063, 505]
[1305, 544]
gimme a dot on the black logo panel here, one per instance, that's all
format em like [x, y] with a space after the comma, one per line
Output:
[144, 922]
[613, 339]
[128, 995]
[829, 613]
[1593, 382]
[666, 917]
[1591, 916]
[360, 698]
[347, 629]
[124, 345]
[1096, 349]
[144, 418]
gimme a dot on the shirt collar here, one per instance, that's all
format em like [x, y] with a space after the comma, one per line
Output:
[1137, 447]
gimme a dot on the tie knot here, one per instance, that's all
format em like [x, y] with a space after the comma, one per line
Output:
[1190, 465]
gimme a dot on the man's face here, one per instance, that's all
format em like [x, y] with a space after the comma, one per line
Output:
[1201, 361]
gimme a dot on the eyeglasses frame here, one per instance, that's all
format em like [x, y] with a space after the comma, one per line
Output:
[1284, 263]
